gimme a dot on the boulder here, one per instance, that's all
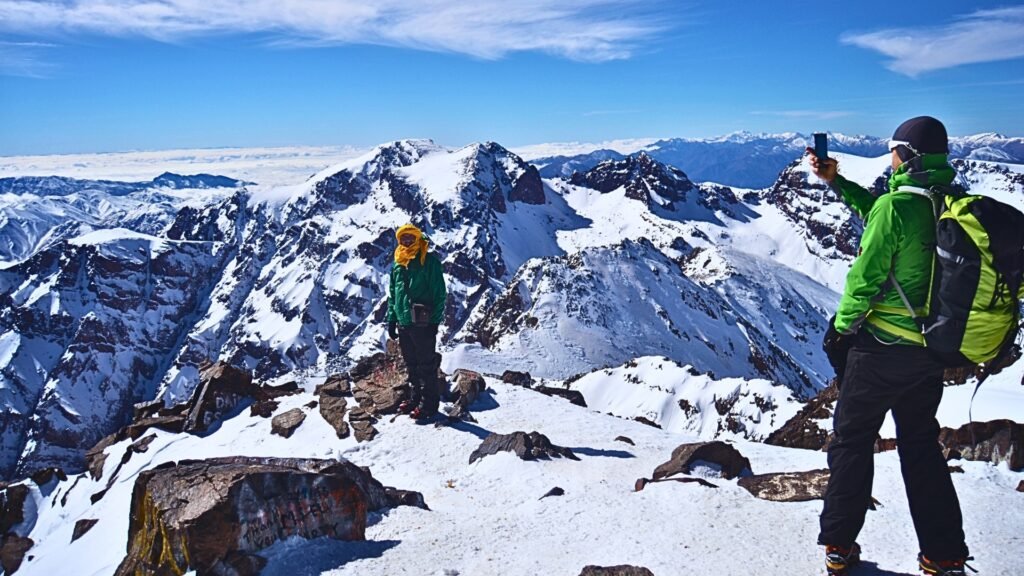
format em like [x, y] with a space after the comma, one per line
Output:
[573, 396]
[214, 516]
[338, 382]
[621, 570]
[556, 491]
[517, 378]
[263, 408]
[12, 552]
[625, 439]
[380, 381]
[468, 387]
[801, 431]
[526, 446]
[787, 486]
[221, 389]
[333, 406]
[1020, 487]
[995, 441]
[285, 424]
[362, 424]
[729, 460]
[83, 526]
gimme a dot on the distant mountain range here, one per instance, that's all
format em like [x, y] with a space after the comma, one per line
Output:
[749, 160]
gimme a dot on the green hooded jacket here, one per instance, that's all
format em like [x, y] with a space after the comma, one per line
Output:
[425, 283]
[899, 238]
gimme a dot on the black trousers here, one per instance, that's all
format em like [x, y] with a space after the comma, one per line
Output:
[417, 344]
[906, 380]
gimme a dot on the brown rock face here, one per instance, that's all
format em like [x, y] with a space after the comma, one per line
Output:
[285, 424]
[517, 378]
[12, 552]
[379, 381]
[1020, 487]
[996, 441]
[221, 389]
[731, 462]
[333, 405]
[362, 424]
[801, 431]
[338, 382]
[621, 570]
[787, 487]
[213, 516]
[573, 396]
[526, 446]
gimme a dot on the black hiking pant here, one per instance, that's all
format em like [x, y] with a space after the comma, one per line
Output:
[417, 344]
[908, 381]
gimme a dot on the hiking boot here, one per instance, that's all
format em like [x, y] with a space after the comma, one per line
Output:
[944, 567]
[838, 560]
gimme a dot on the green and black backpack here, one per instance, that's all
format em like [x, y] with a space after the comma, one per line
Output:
[974, 315]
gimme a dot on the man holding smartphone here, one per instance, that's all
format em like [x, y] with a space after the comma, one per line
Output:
[886, 364]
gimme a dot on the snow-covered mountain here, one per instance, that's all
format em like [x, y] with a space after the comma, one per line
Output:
[556, 276]
[751, 160]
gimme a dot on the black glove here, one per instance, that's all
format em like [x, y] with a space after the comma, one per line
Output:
[393, 330]
[836, 347]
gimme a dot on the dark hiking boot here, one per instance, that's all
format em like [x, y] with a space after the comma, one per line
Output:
[944, 567]
[839, 560]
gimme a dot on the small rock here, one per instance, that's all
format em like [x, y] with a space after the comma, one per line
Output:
[573, 396]
[46, 475]
[641, 483]
[83, 526]
[556, 491]
[285, 424]
[956, 469]
[787, 486]
[625, 439]
[517, 378]
[311, 405]
[263, 408]
[1020, 487]
[526, 446]
[621, 570]
[685, 456]
[647, 422]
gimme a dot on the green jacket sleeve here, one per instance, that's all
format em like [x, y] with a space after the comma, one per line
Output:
[398, 300]
[855, 196]
[871, 269]
[438, 289]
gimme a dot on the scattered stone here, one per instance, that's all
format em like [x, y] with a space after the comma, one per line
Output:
[556, 491]
[885, 445]
[340, 383]
[468, 387]
[46, 475]
[787, 486]
[621, 570]
[956, 469]
[995, 441]
[1020, 487]
[647, 422]
[573, 396]
[83, 526]
[238, 506]
[641, 483]
[222, 387]
[12, 552]
[333, 406]
[801, 431]
[729, 460]
[517, 378]
[625, 439]
[263, 408]
[273, 392]
[285, 424]
[362, 424]
[311, 404]
[526, 446]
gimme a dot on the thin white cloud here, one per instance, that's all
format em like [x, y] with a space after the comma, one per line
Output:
[982, 36]
[25, 59]
[811, 114]
[588, 30]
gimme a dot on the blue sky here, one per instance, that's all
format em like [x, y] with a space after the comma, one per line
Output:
[115, 75]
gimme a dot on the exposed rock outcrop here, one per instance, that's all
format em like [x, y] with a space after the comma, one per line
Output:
[237, 506]
[333, 405]
[787, 486]
[621, 570]
[527, 446]
[801, 431]
[725, 457]
[995, 441]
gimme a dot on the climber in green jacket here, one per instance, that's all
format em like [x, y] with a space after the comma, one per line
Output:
[416, 301]
[880, 359]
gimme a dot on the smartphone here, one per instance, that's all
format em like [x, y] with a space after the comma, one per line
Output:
[821, 145]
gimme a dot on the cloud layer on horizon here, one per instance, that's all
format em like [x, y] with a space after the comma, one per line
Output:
[982, 36]
[584, 30]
